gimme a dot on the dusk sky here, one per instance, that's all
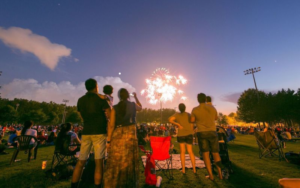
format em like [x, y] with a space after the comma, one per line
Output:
[49, 48]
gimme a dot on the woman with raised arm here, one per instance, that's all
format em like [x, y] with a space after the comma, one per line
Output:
[185, 135]
[122, 167]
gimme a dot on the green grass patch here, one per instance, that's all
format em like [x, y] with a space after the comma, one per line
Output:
[249, 170]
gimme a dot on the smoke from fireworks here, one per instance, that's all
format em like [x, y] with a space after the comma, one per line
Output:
[163, 86]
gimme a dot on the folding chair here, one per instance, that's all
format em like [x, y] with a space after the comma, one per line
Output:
[161, 152]
[62, 154]
[268, 145]
[23, 144]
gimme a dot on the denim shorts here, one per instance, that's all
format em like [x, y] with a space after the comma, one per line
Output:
[185, 139]
[208, 141]
[97, 141]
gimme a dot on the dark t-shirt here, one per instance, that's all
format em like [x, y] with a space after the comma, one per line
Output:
[142, 133]
[129, 118]
[91, 108]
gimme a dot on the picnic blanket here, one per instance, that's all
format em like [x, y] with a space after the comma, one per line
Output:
[176, 163]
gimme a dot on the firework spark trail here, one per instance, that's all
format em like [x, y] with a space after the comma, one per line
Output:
[163, 86]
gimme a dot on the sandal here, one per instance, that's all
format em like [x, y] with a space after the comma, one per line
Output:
[207, 177]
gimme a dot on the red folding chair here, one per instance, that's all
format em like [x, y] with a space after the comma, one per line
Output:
[161, 152]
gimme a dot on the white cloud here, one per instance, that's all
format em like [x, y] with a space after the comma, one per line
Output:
[232, 97]
[26, 41]
[50, 91]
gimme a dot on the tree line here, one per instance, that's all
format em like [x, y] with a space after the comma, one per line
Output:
[41, 113]
[282, 107]
[150, 115]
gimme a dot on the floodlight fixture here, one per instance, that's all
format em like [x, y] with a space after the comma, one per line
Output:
[252, 71]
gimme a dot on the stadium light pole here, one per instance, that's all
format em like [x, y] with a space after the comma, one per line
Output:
[252, 71]
[17, 106]
[64, 114]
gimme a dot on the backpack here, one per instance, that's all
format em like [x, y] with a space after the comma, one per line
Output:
[60, 172]
[150, 173]
[89, 170]
[293, 157]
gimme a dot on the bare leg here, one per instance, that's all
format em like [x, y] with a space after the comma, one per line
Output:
[182, 156]
[78, 171]
[98, 171]
[207, 162]
[192, 156]
[217, 159]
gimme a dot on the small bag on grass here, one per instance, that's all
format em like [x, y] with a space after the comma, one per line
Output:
[60, 172]
[293, 157]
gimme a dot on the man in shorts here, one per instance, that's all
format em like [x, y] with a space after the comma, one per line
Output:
[204, 116]
[92, 108]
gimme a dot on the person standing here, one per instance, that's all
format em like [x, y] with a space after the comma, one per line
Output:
[92, 109]
[185, 135]
[204, 116]
[122, 166]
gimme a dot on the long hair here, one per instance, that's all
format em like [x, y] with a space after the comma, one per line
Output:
[27, 125]
[64, 128]
[123, 95]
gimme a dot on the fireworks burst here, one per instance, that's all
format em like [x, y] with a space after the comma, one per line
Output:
[163, 86]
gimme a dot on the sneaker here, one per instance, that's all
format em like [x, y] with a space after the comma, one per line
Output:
[225, 174]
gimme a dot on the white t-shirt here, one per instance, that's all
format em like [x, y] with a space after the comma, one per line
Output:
[31, 132]
[110, 101]
[73, 137]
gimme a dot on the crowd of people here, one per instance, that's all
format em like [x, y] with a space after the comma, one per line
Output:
[112, 128]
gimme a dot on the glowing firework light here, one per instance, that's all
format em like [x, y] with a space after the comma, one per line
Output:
[163, 86]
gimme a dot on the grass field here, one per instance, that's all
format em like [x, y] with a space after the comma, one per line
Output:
[249, 170]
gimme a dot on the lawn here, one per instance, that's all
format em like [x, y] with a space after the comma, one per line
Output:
[249, 170]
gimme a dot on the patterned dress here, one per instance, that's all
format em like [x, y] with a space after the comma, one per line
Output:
[122, 166]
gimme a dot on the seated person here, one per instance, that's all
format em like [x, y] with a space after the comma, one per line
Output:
[2, 147]
[42, 137]
[11, 139]
[51, 139]
[66, 133]
[286, 135]
[27, 130]
[141, 135]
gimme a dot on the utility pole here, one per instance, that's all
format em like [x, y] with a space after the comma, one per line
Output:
[64, 114]
[252, 71]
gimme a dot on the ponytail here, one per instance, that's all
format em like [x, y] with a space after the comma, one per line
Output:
[27, 125]
[123, 95]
